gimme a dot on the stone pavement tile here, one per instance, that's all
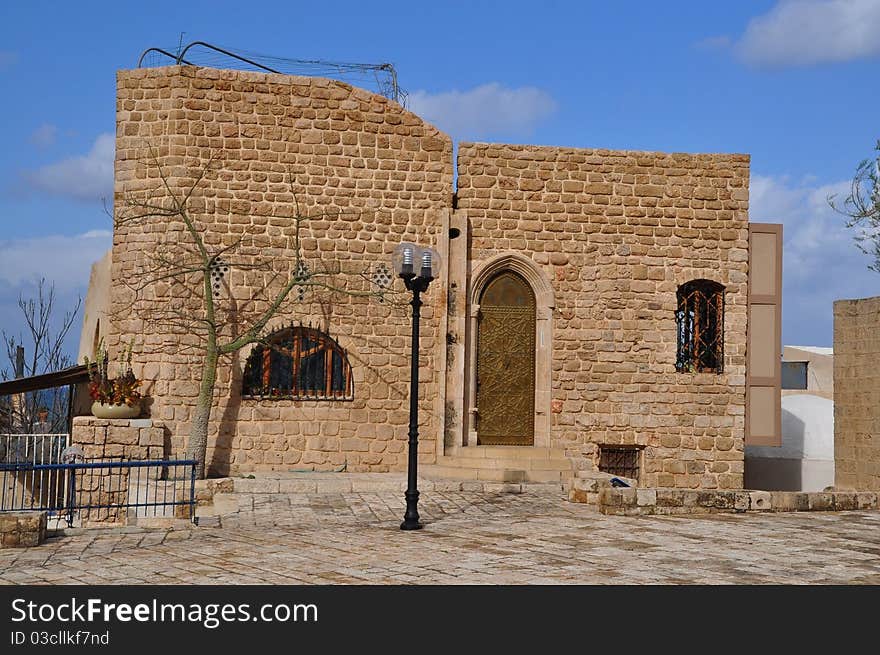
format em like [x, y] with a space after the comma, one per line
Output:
[469, 538]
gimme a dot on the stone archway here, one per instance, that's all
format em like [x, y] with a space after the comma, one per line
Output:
[527, 271]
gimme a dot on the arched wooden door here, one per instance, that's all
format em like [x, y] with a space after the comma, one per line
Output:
[506, 362]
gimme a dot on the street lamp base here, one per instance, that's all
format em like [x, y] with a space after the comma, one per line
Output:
[411, 516]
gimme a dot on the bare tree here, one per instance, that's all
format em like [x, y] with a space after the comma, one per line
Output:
[862, 207]
[40, 351]
[184, 275]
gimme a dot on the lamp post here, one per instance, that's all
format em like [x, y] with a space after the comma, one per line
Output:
[407, 257]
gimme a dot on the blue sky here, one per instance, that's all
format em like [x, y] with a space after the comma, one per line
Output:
[793, 83]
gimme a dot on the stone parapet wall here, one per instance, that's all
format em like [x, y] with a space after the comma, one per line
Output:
[615, 233]
[639, 501]
[857, 394]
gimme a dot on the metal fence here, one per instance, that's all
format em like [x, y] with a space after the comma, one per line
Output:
[40, 488]
[32, 448]
[95, 493]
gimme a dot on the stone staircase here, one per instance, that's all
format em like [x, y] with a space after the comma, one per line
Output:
[502, 464]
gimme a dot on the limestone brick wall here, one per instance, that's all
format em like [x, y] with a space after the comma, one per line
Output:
[857, 394]
[369, 173]
[112, 439]
[615, 233]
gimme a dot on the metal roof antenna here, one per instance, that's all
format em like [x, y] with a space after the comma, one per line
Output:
[383, 76]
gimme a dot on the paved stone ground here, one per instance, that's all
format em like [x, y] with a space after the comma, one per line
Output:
[469, 538]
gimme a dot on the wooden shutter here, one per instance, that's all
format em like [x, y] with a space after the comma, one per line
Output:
[764, 349]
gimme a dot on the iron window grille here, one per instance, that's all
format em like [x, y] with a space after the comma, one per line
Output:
[298, 363]
[618, 460]
[700, 323]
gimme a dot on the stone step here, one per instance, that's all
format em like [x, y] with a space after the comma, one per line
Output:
[431, 478]
[512, 475]
[505, 452]
[322, 483]
[555, 464]
[249, 493]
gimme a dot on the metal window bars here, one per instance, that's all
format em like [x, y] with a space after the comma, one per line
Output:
[620, 461]
[298, 363]
[700, 327]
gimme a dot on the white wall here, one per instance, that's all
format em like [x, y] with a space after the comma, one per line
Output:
[805, 460]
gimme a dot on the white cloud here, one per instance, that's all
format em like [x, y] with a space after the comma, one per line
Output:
[87, 177]
[821, 262]
[64, 260]
[44, 136]
[489, 109]
[803, 32]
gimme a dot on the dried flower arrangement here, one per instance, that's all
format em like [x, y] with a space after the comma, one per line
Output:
[119, 390]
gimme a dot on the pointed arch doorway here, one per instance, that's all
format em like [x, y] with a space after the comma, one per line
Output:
[505, 362]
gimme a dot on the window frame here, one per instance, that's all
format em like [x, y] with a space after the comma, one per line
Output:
[788, 365]
[690, 328]
[294, 343]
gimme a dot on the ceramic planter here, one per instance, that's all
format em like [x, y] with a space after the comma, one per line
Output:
[101, 410]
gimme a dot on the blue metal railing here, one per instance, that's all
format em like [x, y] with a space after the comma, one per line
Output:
[100, 492]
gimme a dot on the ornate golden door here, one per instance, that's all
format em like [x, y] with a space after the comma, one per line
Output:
[506, 362]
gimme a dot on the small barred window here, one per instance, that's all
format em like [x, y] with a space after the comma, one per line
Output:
[700, 319]
[299, 363]
[619, 460]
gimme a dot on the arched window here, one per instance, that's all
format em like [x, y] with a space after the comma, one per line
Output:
[700, 318]
[299, 363]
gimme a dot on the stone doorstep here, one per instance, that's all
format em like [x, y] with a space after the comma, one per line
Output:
[505, 452]
[646, 501]
[377, 482]
[512, 474]
[220, 495]
[489, 463]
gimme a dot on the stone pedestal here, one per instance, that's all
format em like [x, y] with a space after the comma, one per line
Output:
[111, 440]
[108, 439]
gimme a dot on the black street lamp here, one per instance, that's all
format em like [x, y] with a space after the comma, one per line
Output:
[406, 257]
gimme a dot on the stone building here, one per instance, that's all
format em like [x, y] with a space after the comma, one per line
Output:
[596, 309]
[857, 394]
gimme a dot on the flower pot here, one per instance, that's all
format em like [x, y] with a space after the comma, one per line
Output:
[102, 410]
